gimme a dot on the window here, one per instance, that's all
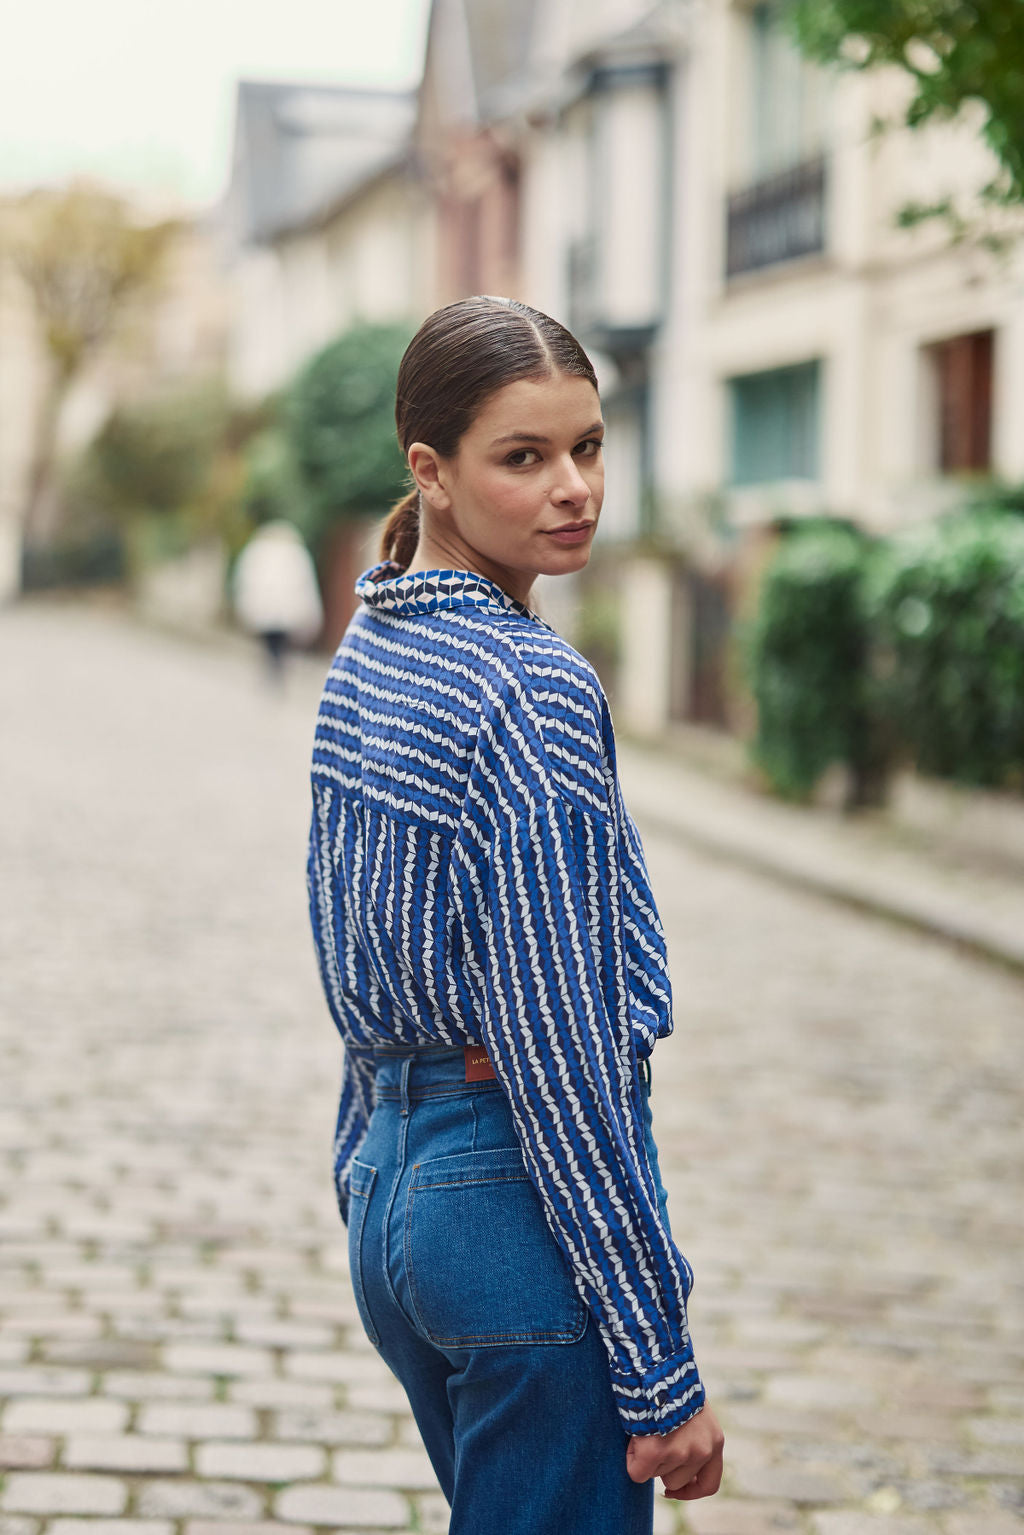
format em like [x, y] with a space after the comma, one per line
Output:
[961, 426]
[788, 98]
[775, 425]
[777, 209]
[619, 255]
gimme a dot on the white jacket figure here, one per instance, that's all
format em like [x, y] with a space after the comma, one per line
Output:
[275, 585]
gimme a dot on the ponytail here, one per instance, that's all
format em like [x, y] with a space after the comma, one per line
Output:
[401, 532]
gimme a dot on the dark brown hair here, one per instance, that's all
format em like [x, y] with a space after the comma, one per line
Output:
[460, 356]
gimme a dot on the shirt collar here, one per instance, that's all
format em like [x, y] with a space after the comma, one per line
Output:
[428, 591]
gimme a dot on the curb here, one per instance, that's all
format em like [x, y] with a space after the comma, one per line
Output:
[715, 818]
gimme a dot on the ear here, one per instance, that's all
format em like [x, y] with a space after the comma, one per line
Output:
[427, 470]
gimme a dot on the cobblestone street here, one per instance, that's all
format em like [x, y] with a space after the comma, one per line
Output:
[840, 1115]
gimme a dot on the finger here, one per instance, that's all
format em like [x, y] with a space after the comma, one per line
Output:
[682, 1470]
[693, 1473]
[678, 1477]
[707, 1481]
[643, 1457]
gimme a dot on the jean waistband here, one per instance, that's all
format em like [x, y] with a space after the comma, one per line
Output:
[425, 1071]
[430, 1071]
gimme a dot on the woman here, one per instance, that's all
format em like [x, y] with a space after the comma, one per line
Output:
[493, 959]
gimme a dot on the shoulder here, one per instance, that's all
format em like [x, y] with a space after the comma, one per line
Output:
[546, 696]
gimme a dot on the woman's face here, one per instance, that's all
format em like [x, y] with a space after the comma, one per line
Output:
[529, 465]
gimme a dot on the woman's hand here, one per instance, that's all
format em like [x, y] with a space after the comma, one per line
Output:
[688, 1460]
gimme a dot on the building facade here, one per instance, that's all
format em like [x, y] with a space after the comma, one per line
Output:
[718, 221]
[323, 224]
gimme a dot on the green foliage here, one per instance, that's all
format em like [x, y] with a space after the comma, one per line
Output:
[156, 456]
[999, 497]
[955, 53]
[272, 484]
[87, 547]
[912, 645]
[339, 426]
[807, 658]
[96, 559]
[597, 632]
[947, 609]
[161, 476]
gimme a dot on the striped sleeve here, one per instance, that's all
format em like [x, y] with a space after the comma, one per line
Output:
[332, 940]
[544, 931]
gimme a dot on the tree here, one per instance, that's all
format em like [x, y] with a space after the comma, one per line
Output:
[272, 486]
[83, 258]
[955, 53]
[340, 426]
[339, 434]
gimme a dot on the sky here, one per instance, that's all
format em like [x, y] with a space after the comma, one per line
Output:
[141, 92]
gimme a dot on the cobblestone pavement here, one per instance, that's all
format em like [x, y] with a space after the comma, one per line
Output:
[839, 1112]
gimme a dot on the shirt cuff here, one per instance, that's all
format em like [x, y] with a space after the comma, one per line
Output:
[663, 1397]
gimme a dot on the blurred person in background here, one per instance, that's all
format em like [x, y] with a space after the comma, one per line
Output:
[276, 596]
[492, 956]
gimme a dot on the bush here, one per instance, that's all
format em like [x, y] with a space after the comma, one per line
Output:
[947, 608]
[339, 422]
[806, 651]
[998, 497]
[87, 546]
[167, 474]
[156, 456]
[272, 487]
[75, 560]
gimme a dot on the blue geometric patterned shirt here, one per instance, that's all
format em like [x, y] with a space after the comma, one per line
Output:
[475, 878]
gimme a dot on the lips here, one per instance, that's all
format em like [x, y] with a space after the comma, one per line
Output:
[572, 527]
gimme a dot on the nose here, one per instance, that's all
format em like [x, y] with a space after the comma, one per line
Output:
[571, 488]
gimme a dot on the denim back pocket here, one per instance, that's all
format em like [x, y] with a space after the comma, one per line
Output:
[482, 1264]
[360, 1188]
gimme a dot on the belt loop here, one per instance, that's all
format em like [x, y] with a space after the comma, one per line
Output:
[645, 1074]
[406, 1068]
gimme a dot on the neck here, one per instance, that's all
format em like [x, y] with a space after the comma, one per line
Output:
[432, 555]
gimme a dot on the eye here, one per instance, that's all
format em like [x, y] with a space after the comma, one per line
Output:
[589, 448]
[521, 458]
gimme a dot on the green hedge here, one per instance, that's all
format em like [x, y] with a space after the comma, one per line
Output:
[947, 616]
[806, 650]
[94, 559]
[912, 647]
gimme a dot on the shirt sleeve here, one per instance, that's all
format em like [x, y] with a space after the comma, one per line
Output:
[358, 1074]
[545, 929]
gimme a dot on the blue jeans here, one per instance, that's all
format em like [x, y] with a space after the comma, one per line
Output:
[464, 1292]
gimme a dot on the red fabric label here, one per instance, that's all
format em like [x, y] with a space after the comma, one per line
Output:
[478, 1065]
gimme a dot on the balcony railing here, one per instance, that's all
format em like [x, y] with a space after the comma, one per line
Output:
[777, 220]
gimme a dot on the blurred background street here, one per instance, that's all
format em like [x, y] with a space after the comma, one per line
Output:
[791, 237]
[179, 1348]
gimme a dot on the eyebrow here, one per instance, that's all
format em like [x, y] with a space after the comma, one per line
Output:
[589, 431]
